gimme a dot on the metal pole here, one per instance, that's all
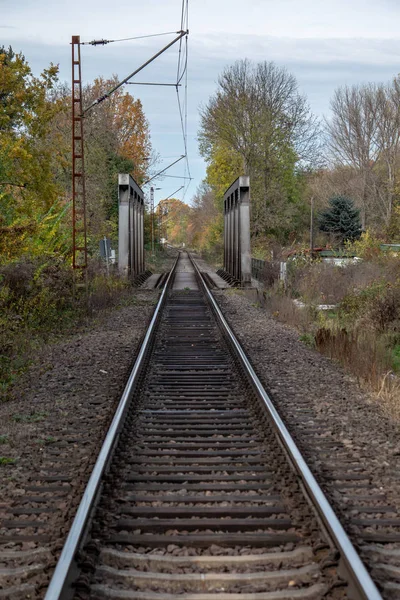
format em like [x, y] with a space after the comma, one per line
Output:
[106, 253]
[152, 218]
[312, 227]
[79, 233]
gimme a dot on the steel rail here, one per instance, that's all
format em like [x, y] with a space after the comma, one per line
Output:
[358, 577]
[65, 564]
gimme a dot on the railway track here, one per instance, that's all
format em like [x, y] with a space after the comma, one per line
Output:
[198, 492]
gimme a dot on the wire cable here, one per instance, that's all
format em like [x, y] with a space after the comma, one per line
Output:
[182, 72]
[186, 117]
[138, 37]
[124, 81]
[177, 177]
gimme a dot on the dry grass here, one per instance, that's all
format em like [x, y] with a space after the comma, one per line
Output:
[324, 283]
[284, 309]
[38, 303]
[363, 354]
[360, 352]
[363, 333]
[388, 395]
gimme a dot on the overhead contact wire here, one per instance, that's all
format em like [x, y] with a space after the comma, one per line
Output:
[182, 106]
[138, 37]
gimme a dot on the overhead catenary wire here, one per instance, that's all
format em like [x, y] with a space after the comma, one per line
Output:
[150, 83]
[186, 114]
[128, 39]
[180, 43]
[175, 192]
[178, 177]
[162, 170]
[124, 81]
[182, 71]
[182, 68]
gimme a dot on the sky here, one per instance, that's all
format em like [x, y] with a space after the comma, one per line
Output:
[324, 44]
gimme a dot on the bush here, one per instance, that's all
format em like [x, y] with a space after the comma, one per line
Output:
[363, 332]
[37, 301]
[366, 247]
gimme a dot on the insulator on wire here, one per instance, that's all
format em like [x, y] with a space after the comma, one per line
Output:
[99, 42]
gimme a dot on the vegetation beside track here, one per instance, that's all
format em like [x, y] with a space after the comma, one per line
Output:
[360, 325]
[37, 299]
[38, 305]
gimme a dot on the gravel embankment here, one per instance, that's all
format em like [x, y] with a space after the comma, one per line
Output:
[292, 371]
[336, 425]
[54, 428]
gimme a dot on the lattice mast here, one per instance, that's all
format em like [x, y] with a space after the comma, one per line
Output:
[79, 230]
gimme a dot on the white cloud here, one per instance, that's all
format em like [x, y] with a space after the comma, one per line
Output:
[324, 45]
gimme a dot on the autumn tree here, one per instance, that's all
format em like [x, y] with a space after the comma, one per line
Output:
[207, 220]
[172, 217]
[35, 157]
[121, 121]
[118, 140]
[28, 192]
[259, 115]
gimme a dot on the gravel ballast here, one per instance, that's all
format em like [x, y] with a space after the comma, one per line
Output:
[338, 427]
[52, 432]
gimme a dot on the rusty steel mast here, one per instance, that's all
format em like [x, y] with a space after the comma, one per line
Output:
[79, 222]
[79, 227]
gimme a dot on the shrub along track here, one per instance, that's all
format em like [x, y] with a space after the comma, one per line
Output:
[198, 499]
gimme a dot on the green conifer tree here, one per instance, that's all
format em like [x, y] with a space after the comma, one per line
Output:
[342, 219]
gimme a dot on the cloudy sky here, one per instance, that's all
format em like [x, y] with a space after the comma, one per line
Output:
[324, 44]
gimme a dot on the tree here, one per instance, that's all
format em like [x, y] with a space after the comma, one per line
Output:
[206, 219]
[388, 141]
[172, 220]
[117, 140]
[35, 158]
[30, 198]
[352, 134]
[342, 219]
[364, 135]
[258, 116]
[121, 124]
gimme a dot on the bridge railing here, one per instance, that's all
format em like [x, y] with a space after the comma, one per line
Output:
[257, 267]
